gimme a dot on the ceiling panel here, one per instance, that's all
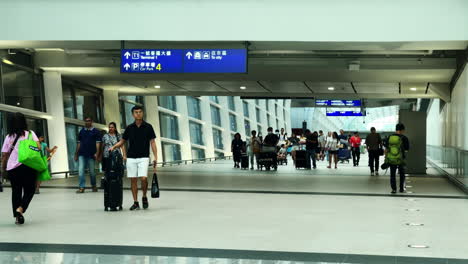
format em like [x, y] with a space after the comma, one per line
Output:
[293, 87]
[376, 87]
[234, 86]
[194, 86]
[322, 87]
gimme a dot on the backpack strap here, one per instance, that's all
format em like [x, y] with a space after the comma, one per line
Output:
[14, 144]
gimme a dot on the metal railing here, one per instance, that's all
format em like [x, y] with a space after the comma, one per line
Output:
[453, 161]
[159, 164]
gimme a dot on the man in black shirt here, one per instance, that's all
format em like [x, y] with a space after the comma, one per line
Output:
[312, 146]
[140, 136]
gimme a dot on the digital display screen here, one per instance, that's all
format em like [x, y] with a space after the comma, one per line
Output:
[346, 103]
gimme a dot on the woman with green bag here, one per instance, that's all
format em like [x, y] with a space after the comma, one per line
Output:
[20, 144]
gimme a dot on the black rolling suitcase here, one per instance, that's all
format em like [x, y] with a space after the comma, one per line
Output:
[302, 159]
[113, 187]
[244, 161]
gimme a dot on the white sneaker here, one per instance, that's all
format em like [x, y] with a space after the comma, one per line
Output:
[372, 174]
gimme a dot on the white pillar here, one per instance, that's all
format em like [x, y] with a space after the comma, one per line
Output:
[240, 116]
[184, 129]
[152, 117]
[112, 107]
[205, 107]
[56, 125]
[225, 122]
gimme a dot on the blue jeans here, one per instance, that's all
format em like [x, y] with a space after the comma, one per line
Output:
[313, 156]
[83, 163]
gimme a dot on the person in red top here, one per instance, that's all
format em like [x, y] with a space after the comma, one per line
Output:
[355, 147]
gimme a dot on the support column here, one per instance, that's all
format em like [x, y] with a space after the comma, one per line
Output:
[152, 117]
[225, 122]
[111, 107]
[184, 129]
[56, 125]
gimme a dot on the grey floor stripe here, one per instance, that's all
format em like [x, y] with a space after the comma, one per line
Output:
[212, 253]
[283, 192]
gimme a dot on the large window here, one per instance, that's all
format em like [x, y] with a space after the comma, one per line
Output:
[215, 116]
[218, 139]
[21, 87]
[72, 139]
[233, 122]
[80, 101]
[219, 154]
[171, 152]
[246, 108]
[198, 153]
[276, 110]
[196, 134]
[267, 105]
[259, 130]
[193, 105]
[270, 121]
[168, 102]
[126, 105]
[169, 126]
[214, 99]
[247, 127]
[257, 112]
[231, 103]
[257, 102]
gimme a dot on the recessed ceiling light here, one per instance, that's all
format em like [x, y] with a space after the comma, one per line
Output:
[243, 87]
[413, 89]
[157, 86]
[331, 88]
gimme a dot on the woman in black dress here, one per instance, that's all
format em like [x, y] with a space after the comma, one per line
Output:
[236, 148]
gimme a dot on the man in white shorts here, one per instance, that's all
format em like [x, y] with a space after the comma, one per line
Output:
[140, 136]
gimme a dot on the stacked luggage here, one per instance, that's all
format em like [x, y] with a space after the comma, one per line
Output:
[302, 160]
[112, 183]
[344, 154]
[267, 158]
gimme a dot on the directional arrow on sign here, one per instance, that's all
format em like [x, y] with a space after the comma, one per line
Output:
[127, 55]
[126, 66]
[189, 55]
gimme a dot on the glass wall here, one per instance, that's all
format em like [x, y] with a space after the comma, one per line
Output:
[196, 134]
[218, 139]
[169, 126]
[214, 99]
[171, 152]
[247, 127]
[21, 87]
[267, 105]
[257, 112]
[198, 153]
[72, 139]
[80, 101]
[215, 116]
[231, 103]
[219, 154]
[193, 105]
[246, 108]
[168, 102]
[259, 130]
[233, 122]
[126, 105]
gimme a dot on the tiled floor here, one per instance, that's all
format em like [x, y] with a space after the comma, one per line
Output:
[348, 223]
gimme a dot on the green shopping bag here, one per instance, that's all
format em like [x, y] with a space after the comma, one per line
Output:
[45, 174]
[30, 155]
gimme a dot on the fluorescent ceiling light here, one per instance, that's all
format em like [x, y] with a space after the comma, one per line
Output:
[331, 88]
[243, 87]
[413, 89]
[157, 86]
[7, 62]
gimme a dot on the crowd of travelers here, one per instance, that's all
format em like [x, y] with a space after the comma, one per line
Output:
[306, 150]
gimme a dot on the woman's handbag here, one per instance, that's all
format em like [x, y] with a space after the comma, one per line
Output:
[30, 155]
[155, 186]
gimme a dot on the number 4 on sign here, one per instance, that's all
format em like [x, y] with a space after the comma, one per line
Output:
[158, 67]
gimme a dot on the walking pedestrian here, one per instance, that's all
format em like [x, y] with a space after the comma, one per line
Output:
[22, 178]
[397, 146]
[355, 142]
[87, 153]
[374, 148]
[140, 137]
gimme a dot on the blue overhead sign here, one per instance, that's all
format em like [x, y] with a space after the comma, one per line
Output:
[183, 61]
[346, 103]
[345, 113]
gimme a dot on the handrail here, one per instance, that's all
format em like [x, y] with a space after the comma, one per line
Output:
[163, 164]
[451, 148]
[451, 161]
